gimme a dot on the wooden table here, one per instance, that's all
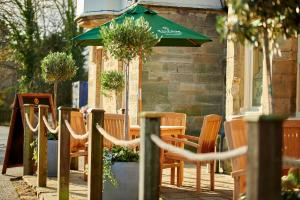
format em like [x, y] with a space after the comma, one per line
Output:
[174, 131]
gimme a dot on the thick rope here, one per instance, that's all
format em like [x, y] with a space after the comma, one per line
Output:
[290, 162]
[75, 135]
[125, 143]
[54, 131]
[199, 157]
[29, 124]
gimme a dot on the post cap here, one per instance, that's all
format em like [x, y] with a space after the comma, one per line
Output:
[29, 105]
[67, 108]
[151, 114]
[93, 110]
[43, 106]
[266, 118]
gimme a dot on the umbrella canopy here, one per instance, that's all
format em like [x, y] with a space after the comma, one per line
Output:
[171, 33]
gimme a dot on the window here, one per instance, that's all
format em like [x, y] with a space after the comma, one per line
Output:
[253, 77]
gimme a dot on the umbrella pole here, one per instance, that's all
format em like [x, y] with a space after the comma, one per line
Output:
[126, 101]
[140, 86]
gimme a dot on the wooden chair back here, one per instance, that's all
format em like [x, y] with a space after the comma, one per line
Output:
[209, 132]
[291, 138]
[78, 125]
[235, 132]
[114, 125]
[173, 119]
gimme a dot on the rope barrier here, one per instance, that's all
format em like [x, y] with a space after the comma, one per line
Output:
[199, 157]
[116, 141]
[54, 131]
[290, 162]
[75, 135]
[29, 124]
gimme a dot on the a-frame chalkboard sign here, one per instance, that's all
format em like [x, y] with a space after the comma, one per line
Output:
[14, 148]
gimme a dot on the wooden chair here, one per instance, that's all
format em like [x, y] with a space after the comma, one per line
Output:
[236, 135]
[114, 125]
[77, 147]
[291, 140]
[235, 132]
[172, 119]
[205, 143]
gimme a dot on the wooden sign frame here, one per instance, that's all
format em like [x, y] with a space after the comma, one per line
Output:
[14, 148]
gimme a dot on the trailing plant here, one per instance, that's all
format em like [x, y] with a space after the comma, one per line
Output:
[112, 81]
[34, 146]
[125, 41]
[58, 67]
[116, 154]
[290, 185]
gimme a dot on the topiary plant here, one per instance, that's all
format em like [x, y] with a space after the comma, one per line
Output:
[126, 41]
[112, 81]
[58, 67]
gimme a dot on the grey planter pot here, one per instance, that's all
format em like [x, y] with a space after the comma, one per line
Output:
[52, 155]
[127, 176]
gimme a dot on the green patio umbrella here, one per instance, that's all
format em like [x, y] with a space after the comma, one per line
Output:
[170, 33]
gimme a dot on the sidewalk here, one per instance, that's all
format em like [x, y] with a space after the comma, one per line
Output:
[78, 187]
[7, 191]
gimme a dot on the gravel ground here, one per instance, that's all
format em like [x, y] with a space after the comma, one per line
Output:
[24, 191]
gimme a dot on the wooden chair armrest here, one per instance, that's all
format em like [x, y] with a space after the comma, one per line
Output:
[240, 172]
[173, 139]
[189, 137]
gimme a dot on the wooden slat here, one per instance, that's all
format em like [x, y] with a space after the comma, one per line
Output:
[78, 125]
[114, 125]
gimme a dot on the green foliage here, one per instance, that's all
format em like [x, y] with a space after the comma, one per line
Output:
[112, 80]
[34, 146]
[290, 185]
[292, 180]
[123, 154]
[251, 18]
[129, 39]
[116, 154]
[57, 67]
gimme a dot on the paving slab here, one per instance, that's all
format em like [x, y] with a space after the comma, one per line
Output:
[78, 187]
[7, 190]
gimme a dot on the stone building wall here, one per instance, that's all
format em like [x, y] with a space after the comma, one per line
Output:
[284, 72]
[188, 80]
[177, 79]
[285, 78]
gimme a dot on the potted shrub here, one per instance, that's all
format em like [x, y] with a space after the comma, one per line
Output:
[121, 173]
[56, 67]
[52, 154]
[112, 81]
[126, 41]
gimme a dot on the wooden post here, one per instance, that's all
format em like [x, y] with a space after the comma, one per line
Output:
[63, 153]
[149, 173]
[95, 155]
[74, 163]
[28, 162]
[42, 148]
[264, 157]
